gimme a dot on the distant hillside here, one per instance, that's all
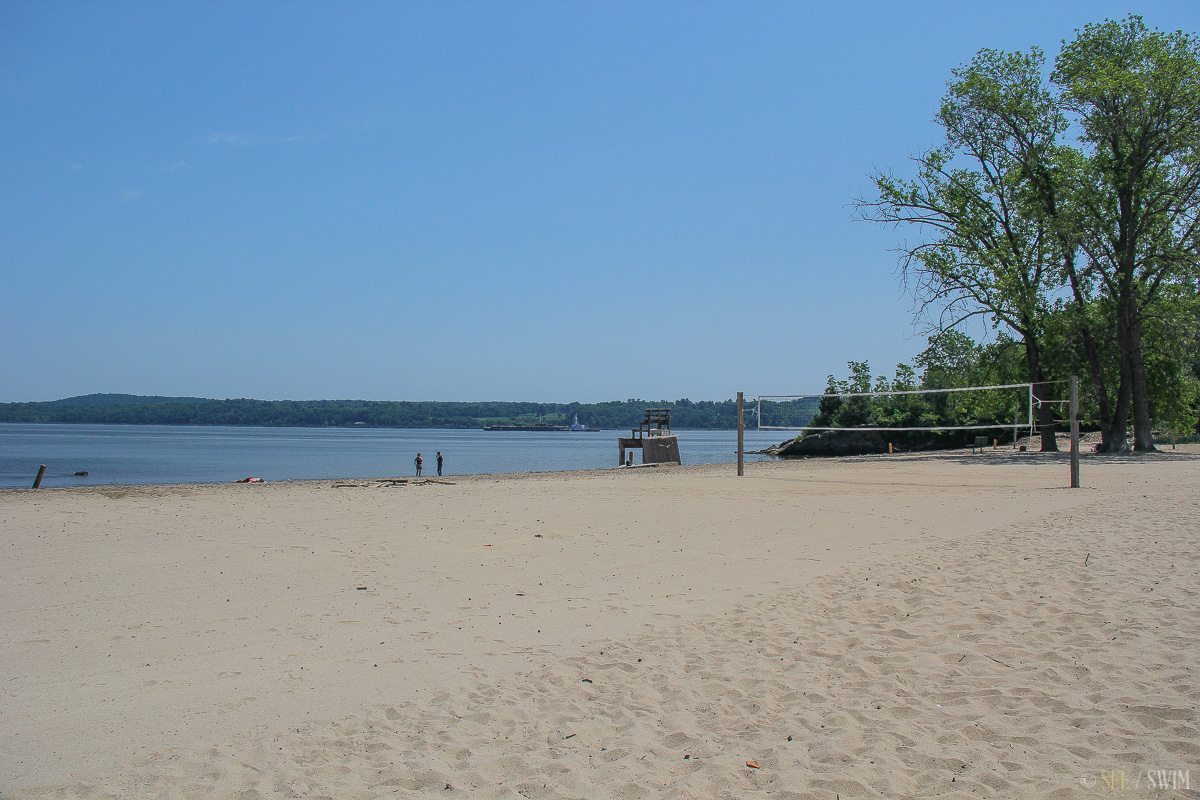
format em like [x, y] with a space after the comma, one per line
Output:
[144, 410]
[93, 400]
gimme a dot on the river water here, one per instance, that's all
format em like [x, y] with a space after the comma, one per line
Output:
[140, 454]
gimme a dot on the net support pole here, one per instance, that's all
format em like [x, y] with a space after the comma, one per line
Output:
[1031, 417]
[1074, 432]
[741, 457]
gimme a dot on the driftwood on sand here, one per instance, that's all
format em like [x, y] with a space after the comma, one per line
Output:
[391, 482]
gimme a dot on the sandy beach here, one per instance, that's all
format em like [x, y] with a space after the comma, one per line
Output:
[913, 626]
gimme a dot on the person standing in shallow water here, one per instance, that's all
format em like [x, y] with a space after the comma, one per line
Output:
[420, 462]
[439, 462]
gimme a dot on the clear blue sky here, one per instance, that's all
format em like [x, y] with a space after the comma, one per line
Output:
[459, 201]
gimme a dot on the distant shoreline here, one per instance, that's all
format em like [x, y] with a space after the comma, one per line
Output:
[122, 409]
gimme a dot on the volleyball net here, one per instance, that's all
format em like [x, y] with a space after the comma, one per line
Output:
[942, 413]
[997, 407]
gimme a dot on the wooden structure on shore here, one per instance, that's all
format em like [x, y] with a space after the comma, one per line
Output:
[653, 437]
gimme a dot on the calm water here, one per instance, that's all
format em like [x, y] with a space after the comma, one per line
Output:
[135, 454]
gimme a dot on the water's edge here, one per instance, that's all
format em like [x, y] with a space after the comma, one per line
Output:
[132, 455]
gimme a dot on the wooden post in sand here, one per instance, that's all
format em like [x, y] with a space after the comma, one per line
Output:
[741, 435]
[1074, 432]
[37, 482]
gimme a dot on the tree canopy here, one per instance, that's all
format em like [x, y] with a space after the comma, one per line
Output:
[1065, 209]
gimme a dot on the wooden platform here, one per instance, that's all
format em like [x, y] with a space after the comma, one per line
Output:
[653, 437]
[655, 449]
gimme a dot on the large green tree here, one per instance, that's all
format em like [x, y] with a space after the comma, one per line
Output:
[1034, 229]
[985, 247]
[1136, 95]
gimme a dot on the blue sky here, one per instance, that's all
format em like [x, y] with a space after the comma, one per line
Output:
[467, 201]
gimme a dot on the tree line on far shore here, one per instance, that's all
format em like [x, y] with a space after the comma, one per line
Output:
[1064, 208]
[139, 410]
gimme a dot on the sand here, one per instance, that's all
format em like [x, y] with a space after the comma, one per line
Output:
[954, 625]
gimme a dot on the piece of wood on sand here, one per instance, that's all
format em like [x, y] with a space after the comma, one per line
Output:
[411, 481]
[389, 482]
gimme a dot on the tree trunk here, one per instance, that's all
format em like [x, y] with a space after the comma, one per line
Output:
[1129, 323]
[1099, 387]
[1143, 435]
[1118, 442]
[1092, 351]
[1033, 357]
